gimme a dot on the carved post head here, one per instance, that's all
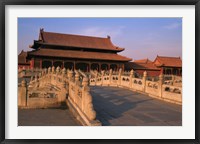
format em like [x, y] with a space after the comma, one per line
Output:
[110, 72]
[161, 78]
[36, 78]
[53, 70]
[23, 83]
[145, 74]
[57, 70]
[40, 75]
[173, 77]
[132, 72]
[45, 71]
[85, 82]
[102, 72]
[31, 78]
[63, 71]
[49, 70]
[70, 75]
[120, 70]
[77, 76]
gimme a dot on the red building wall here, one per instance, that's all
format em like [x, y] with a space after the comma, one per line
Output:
[149, 72]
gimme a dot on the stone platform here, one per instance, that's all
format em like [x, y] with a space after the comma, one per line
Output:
[46, 117]
[122, 107]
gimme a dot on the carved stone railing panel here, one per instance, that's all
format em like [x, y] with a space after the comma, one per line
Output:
[50, 87]
[153, 87]
[172, 93]
[137, 84]
[125, 80]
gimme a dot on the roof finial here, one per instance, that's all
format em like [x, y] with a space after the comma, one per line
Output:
[108, 36]
[41, 29]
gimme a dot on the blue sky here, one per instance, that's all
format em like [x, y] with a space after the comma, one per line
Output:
[141, 37]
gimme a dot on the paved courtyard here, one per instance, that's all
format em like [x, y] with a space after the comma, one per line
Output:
[46, 117]
[123, 107]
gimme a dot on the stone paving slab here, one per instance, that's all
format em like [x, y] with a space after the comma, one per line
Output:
[122, 107]
[46, 117]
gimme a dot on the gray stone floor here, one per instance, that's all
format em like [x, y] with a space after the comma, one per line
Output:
[122, 107]
[46, 117]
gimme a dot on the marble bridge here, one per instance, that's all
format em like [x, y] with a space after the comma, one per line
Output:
[107, 98]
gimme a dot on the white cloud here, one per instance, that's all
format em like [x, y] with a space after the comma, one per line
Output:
[103, 31]
[172, 26]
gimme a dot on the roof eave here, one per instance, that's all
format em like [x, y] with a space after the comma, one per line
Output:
[50, 44]
[36, 44]
[125, 60]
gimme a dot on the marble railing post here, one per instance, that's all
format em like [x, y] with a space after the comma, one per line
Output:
[87, 105]
[49, 75]
[53, 70]
[77, 75]
[131, 78]
[64, 72]
[57, 73]
[102, 76]
[45, 71]
[160, 84]
[44, 76]
[31, 83]
[22, 94]
[110, 76]
[23, 72]
[173, 79]
[63, 92]
[119, 77]
[70, 75]
[49, 70]
[19, 69]
[144, 80]
[95, 77]
[40, 79]
[36, 81]
[40, 75]
[57, 70]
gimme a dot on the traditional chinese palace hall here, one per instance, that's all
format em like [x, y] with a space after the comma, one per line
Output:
[75, 52]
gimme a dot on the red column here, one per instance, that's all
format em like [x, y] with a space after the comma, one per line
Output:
[161, 71]
[89, 66]
[63, 64]
[74, 65]
[122, 67]
[40, 63]
[32, 63]
[99, 67]
[51, 63]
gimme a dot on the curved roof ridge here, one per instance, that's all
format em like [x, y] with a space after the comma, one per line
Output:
[75, 35]
[78, 54]
[168, 57]
[73, 40]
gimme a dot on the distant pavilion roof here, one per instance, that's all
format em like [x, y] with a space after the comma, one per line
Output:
[143, 61]
[168, 61]
[141, 66]
[75, 41]
[78, 54]
[22, 58]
